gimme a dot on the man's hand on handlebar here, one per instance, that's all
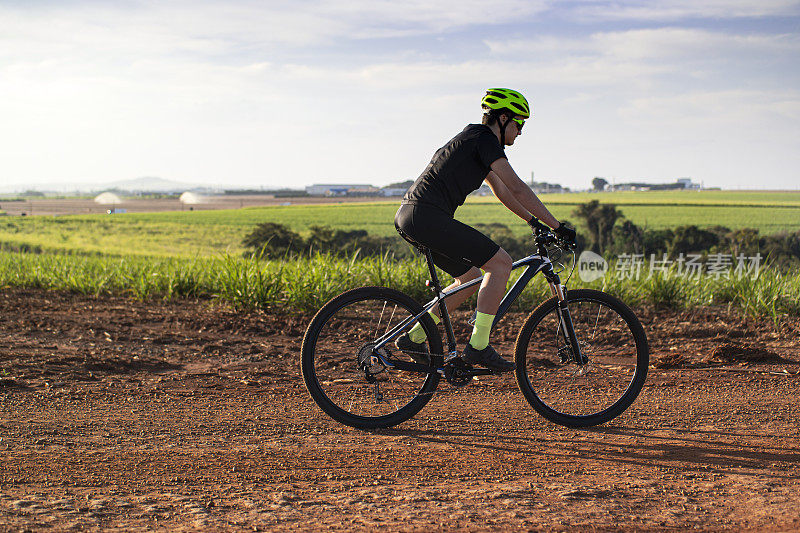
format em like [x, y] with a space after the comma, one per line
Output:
[537, 226]
[566, 234]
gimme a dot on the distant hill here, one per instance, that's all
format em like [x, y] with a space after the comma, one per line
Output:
[136, 185]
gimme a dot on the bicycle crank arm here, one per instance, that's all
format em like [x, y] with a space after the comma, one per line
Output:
[483, 372]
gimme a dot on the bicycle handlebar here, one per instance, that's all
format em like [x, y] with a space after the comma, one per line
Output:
[545, 236]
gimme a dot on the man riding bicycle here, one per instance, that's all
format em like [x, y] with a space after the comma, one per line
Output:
[426, 218]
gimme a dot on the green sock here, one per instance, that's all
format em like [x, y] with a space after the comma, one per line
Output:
[481, 330]
[417, 334]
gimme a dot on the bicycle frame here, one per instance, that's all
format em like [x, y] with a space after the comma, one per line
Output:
[358, 379]
[534, 264]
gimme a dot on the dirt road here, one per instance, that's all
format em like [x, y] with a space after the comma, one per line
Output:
[184, 416]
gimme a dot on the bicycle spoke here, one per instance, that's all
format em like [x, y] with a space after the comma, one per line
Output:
[594, 330]
[380, 318]
[389, 322]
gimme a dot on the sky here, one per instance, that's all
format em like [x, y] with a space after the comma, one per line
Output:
[287, 94]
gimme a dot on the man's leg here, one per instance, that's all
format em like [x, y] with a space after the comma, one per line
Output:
[459, 298]
[417, 334]
[493, 287]
[490, 293]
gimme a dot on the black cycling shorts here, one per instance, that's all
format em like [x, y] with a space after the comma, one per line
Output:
[455, 247]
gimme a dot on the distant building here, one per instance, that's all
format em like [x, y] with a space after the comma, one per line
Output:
[342, 190]
[548, 188]
[687, 183]
[680, 184]
[629, 187]
[483, 190]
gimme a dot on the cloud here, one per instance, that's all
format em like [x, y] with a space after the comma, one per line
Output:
[659, 43]
[721, 110]
[381, 18]
[206, 89]
[671, 10]
[244, 28]
[640, 56]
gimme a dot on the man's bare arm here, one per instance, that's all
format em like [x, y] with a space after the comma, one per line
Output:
[506, 198]
[522, 193]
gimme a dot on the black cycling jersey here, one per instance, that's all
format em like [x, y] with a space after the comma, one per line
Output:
[456, 169]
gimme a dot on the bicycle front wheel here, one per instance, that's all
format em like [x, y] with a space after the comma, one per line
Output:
[338, 343]
[588, 394]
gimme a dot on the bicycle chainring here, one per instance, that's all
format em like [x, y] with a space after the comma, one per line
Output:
[458, 373]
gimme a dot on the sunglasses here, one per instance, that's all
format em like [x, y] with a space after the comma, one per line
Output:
[520, 122]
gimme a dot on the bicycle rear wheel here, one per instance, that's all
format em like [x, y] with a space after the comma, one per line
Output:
[582, 395]
[340, 337]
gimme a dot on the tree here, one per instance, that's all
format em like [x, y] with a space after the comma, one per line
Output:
[599, 220]
[599, 184]
[627, 238]
[691, 239]
[502, 235]
[273, 239]
[782, 250]
[656, 241]
[276, 240]
[327, 240]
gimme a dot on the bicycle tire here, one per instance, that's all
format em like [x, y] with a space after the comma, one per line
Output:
[329, 363]
[612, 379]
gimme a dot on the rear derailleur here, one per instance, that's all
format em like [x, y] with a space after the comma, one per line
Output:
[371, 365]
[369, 362]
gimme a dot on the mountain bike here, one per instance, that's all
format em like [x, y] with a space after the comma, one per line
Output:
[581, 356]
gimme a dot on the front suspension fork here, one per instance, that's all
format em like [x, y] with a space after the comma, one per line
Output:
[567, 327]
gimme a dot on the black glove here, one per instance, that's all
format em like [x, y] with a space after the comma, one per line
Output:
[537, 226]
[565, 233]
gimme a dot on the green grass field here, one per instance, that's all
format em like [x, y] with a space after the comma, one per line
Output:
[303, 284]
[198, 253]
[209, 233]
[723, 198]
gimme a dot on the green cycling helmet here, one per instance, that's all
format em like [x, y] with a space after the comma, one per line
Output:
[506, 99]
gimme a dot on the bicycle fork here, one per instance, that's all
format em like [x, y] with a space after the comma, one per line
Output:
[565, 321]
